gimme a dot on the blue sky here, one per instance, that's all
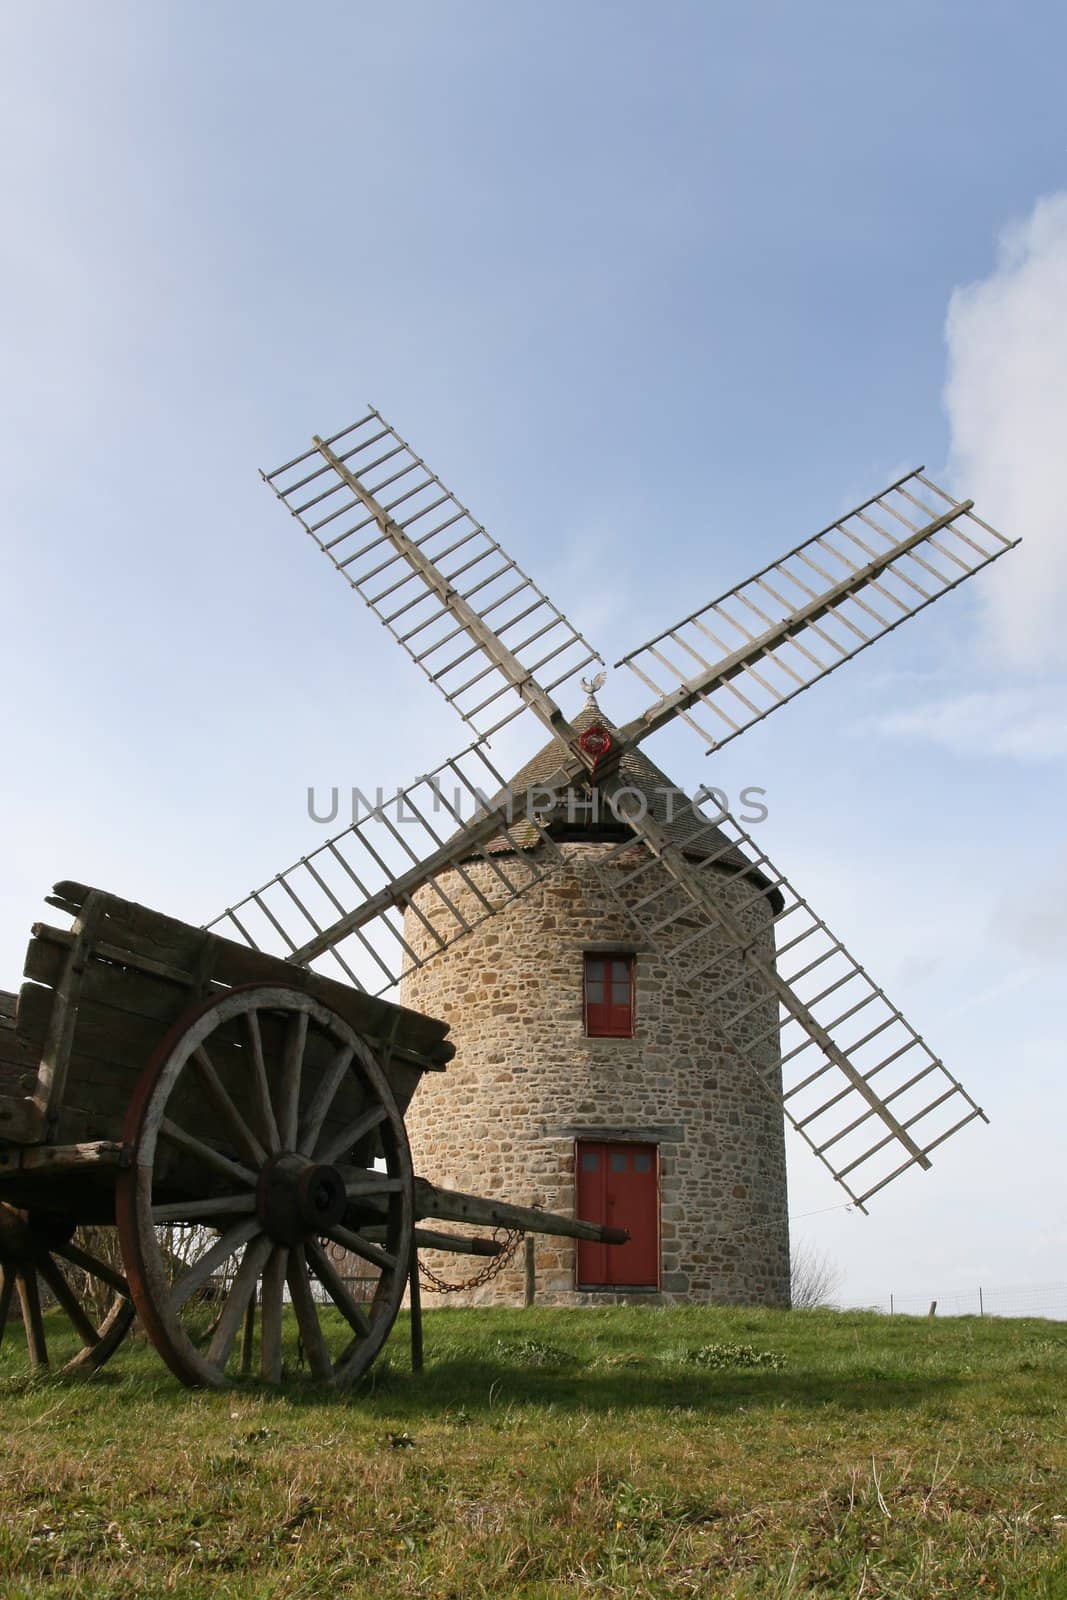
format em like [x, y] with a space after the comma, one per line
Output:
[658, 291]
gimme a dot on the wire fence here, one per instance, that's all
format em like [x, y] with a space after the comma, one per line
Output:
[1027, 1300]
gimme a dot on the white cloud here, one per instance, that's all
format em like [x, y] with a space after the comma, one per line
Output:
[1006, 397]
[1026, 723]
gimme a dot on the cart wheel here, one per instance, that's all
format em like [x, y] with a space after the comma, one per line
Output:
[254, 1130]
[39, 1250]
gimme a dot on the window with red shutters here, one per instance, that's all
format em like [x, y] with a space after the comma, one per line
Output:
[609, 996]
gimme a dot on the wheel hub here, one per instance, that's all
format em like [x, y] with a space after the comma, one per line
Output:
[297, 1198]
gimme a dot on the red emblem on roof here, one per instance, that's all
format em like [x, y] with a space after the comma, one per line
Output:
[595, 741]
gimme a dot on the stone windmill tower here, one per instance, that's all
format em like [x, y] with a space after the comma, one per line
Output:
[639, 997]
[591, 1071]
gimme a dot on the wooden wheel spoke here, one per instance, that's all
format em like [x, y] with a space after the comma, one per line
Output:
[337, 1289]
[270, 1339]
[99, 1329]
[307, 1316]
[225, 1108]
[207, 1153]
[248, 1334]
[233, 1312]
[296, 1033]
[93, 1266]
[226, 1205]
[365, 1123]
[32, 1320]
[350, 1350]
[360, 1246]
[261, 1085]
[324, 1097]
[67, 1300]
[210, 1261]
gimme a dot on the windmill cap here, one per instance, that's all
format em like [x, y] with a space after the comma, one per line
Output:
[667, 804]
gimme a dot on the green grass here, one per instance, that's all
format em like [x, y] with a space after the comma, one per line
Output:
[543, 1454]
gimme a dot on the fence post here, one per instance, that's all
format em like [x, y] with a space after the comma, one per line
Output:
[981, 1302]
[890, 1305]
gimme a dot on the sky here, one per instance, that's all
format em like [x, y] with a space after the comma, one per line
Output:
[658, 291]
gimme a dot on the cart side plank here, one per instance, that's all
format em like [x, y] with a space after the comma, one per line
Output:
[19, 1064]
[119, 1038]
[63, 1016]
[64, 1158]
[141, 932]
[112, 1047]
[20, 1121]
[101, 996]
[148, 992]
[19, 1060]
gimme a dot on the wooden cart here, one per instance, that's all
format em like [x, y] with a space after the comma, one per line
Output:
[240, 1121]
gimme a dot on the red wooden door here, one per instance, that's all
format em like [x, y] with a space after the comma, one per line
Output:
[618, 1184]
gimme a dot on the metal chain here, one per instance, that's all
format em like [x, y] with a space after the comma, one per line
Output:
[511, 1241]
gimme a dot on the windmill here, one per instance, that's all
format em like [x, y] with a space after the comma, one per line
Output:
[425, 868]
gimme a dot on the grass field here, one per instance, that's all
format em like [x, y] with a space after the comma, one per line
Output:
[622, 1452]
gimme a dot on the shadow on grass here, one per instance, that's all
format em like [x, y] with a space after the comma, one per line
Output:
[475, 1370]
[475, 1388]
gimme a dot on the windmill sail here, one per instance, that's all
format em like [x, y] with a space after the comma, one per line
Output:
[343, 905]
[857, 1082]
[737, 659]
[464, 611]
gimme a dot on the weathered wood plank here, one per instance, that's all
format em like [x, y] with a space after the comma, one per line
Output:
[63, 1158]
[459, 1244]
[431, 1239]
[123, 1018]
[112, 1048]
[19, 1058]
[135, 927]
[142, 973]
[162, 994]
[123, 989]
[174, 945]
[44, 958]
[63, 1013]
[456, 1244]
[450, 1206]
[77, 1126]
[29, 1034]
[20, 1120]
[119, 1037]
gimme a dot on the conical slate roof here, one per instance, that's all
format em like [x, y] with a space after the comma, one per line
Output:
[667, 803]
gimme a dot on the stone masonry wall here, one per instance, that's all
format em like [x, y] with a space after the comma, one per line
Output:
[526, 1082]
